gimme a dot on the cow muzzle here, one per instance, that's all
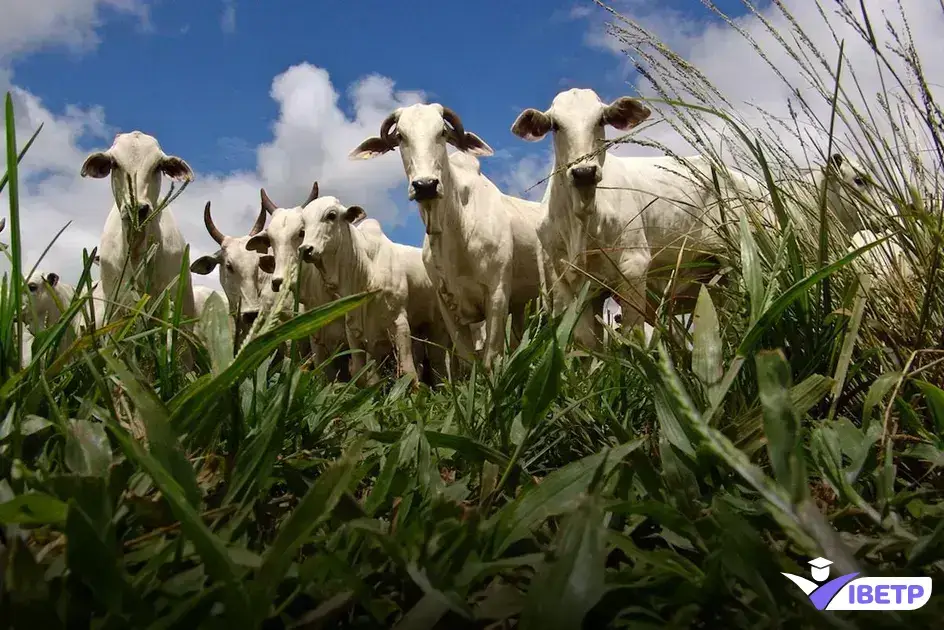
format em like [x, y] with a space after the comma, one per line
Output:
[585, 176]
[308, 254]
[425, 189]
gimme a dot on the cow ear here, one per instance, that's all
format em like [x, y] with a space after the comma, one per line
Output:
[52, 279]
[176, 168]
[835, 160]
[205, 264]
[531, 125]
[97, 165]
[370, 148]
[259, 243]
[354, 213]
[473, 145]
[625, 113]
[267, 263]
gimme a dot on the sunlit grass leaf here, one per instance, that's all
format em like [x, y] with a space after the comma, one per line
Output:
[706, 346]
[33, 509]
[214, 326]
[557, 493]
[87, 450]
[781, 424]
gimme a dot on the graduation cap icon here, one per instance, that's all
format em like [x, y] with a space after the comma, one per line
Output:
[820, 570]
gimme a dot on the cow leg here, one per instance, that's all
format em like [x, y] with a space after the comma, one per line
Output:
[496, 314]
[355, 342]
[458, 334]
[632, 290]
[400, 336]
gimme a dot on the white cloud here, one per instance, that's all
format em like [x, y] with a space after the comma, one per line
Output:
[228, 21]
[310, 141]
[731, 63]
[29, 26]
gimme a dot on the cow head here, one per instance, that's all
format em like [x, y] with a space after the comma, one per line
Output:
[852, 193]
[138, 159]
[41, 306]
[284, 235]
[240, 275]
[578, 119]
[422, 132]
[326, 223]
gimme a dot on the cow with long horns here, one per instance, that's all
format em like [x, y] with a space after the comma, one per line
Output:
[284, 236]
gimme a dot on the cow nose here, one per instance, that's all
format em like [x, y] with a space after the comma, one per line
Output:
[584, 175]
[307, 252]
[276, 284]
[248, 317]
[425, 189]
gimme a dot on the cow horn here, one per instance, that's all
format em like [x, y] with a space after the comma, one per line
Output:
[456, 123]
[259, 224]
[312, 195]
[211, 228]
[267, 204]
[386, 126]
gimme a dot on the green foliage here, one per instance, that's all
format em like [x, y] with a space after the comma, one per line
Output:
[649, 485]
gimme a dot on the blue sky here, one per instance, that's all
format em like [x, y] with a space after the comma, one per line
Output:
[278, 94]
[198, 75]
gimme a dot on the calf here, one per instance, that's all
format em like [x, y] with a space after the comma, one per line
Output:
[359, 258]
[47, 298]
[481, 248]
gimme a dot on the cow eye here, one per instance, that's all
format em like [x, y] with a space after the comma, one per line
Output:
[555, 127]
[32, 287]
[859, 181]
[301, 233]
[229, 266]
[331, 216]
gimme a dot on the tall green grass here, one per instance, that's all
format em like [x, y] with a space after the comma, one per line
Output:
[659, 485]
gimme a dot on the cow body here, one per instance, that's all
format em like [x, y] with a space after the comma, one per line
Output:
[360, 258]
[617, 219]
[481, 248]
[284, 236]
[136, 221]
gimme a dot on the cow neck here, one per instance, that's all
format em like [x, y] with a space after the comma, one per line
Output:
[353, 261]
[561, 211]
[446, 220]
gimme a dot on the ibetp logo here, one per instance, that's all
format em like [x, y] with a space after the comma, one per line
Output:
[847, 592]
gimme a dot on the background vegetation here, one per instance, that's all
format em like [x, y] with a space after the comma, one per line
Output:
[660, 484]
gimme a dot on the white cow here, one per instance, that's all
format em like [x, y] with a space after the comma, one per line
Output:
[481, 248]
[619, 218]
[852, 197]
[284, 235]
[136, 221]
[886, 262]
[240, 276]
[42, 312]
[358, 258]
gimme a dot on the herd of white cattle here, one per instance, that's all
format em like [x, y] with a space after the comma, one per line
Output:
[486, 254]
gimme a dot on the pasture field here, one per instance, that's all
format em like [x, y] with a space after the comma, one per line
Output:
[660, 484]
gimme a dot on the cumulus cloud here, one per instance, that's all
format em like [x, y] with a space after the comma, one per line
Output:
[29, 26]
[311, 138]
[730, 61]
